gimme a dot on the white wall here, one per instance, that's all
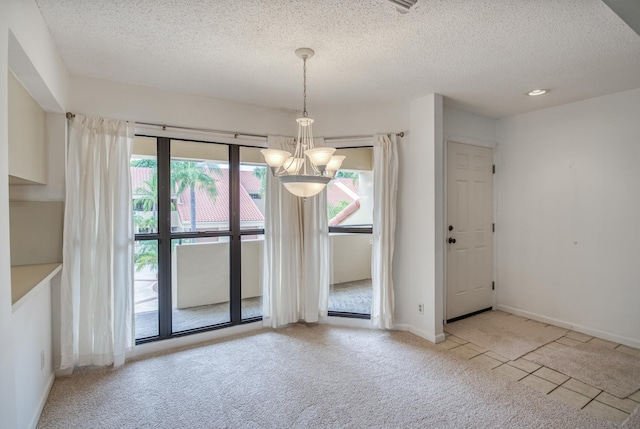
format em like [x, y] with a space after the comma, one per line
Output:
[34, 57]
[104, 98]
[36, 232]
[200, 272]
[419, 250]
[466, 127]
[7, 386]
[568, 203]
[350, 257]
[27, 48]
[54, 190]
[360, 119]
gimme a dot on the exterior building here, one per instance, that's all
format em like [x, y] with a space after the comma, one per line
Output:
[344, 201]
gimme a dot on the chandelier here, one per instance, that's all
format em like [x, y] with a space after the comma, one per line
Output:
[307, 171]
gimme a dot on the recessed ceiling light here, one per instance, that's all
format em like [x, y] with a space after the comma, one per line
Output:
[537, 92]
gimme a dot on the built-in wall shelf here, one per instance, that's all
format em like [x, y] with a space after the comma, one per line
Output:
[26, 279]
[27, 136]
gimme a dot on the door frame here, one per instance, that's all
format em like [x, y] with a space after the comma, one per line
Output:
[480, 143]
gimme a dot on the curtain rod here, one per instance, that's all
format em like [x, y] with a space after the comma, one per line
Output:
[232, 133]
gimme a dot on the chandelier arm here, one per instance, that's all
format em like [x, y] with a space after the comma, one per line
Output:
[299, 149]
[311, 146]
[285, 166]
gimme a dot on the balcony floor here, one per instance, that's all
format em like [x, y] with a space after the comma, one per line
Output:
[350, 297]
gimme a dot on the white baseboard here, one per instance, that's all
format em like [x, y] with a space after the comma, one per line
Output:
[347, 321]
[63, 372]
[43, 400]
[573, 326]
[147, 349]
[366, 323]
[419, 332]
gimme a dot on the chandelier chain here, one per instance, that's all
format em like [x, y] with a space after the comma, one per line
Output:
[304, 92]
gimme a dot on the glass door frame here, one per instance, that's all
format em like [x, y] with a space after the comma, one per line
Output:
[164, 237]
[352, 229]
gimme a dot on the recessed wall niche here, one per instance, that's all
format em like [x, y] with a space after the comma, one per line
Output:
[27, 136]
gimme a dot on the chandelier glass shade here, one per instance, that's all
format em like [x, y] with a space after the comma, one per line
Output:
[307, 170]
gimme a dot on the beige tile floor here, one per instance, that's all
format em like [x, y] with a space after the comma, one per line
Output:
[555, 384]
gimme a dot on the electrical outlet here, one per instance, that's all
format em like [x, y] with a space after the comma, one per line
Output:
[421, 308]
[41, 360]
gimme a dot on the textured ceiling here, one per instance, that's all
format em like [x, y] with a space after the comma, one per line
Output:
[483, 55]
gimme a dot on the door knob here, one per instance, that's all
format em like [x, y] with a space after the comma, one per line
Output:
[452, 240]
[450, 227]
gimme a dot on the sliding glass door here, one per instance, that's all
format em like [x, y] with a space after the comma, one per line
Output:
[199, 216]
[350, 215]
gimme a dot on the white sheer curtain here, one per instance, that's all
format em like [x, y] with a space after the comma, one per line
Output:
[283, 275]
[296, 273]
[317, 271]
[385, 187]
[97, 276]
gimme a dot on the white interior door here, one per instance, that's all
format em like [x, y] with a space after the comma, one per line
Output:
[469, 232]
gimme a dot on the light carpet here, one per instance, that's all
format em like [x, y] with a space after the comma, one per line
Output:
[610, 370]
[509, 336]
[305, 376]
[633, 422]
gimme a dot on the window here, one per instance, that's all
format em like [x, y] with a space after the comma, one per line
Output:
[200, 283]
[350, 215]
[253, 181]
[145, 288]
[198, 263]
[138, 205]
[144, 186]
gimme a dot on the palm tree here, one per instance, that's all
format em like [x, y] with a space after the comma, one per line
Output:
[353, 175]
[148, 194]
[261, 174]
[334, 209]
[191, 175]
[146, 251]
[183, 175]
[146, 255]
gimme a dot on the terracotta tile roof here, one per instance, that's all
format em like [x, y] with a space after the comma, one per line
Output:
[138, 176]
[216, 209]
[335, 194]
[250, 182]
[345, 213]
[207, 209]
[350, 183]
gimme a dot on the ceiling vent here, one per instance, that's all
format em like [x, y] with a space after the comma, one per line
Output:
[404, 3]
